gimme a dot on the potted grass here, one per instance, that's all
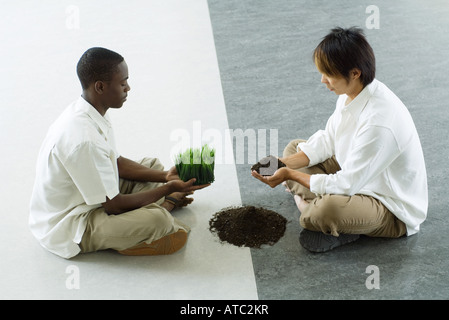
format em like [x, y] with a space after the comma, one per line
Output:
[196, 163]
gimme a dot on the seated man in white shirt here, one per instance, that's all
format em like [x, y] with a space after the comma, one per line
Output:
[86, 196]
[364, 174]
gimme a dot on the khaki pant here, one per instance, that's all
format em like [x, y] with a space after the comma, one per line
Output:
[126, 230]
[334, 214]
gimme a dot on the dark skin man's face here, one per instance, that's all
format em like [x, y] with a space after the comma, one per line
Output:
[111, 93]
[116, 90]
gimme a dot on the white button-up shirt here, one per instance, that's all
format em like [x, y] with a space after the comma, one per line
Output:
[375, 141]
[76, 170]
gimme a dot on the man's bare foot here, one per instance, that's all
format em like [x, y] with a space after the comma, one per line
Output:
[177, 200]
[300, 203]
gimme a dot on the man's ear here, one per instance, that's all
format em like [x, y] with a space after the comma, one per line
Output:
[99, 87]
[355, 73]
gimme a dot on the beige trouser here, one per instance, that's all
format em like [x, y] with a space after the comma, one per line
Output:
[126, 230]
[334, 214]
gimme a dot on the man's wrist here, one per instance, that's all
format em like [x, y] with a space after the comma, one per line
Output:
[169, 188]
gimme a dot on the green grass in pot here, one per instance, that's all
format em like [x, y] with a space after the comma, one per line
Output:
[196, 163]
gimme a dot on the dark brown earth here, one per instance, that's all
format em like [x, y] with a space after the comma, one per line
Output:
[267, 166]
[248, 226]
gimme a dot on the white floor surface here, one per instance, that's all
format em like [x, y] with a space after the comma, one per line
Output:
[175, 89]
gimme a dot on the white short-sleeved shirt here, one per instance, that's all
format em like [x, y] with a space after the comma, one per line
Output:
[375, 141]
[76, 170]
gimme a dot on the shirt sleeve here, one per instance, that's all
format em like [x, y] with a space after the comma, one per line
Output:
[94, 172]
[374, 148]
[320, 146]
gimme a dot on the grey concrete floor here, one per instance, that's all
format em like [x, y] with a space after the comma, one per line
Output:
[269, 81]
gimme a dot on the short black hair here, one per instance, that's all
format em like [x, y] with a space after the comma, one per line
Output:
[343, 50]
[97, 64]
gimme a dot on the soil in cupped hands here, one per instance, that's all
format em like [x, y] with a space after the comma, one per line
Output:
[267, 166]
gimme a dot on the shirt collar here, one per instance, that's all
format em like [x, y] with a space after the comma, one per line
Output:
[85, 107]
[356, 106]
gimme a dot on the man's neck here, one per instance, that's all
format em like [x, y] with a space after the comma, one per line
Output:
[94, 103]
[354, 92]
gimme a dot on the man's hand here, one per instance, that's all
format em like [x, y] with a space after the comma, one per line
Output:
[284, 174]
[172, 174]
[277, 178]
[181, 186]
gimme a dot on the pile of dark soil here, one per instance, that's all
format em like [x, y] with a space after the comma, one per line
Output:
[248, 226]
[267, 166]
